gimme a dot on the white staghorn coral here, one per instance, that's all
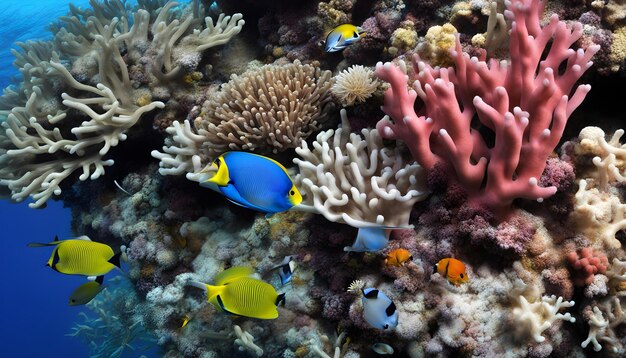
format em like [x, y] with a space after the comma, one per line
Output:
[355, 179]
[609, 156]
[534, 318]
[597, 330]
[112, 71]
[245, 341]
[354, 85]
[35, 136]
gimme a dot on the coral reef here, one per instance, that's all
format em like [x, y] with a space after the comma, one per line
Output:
[472, 132]
[357, 180]
[527, 112]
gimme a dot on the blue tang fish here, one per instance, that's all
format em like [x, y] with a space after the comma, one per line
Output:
[378, 309]
[370, 239]
[254, 182]
[342, 36]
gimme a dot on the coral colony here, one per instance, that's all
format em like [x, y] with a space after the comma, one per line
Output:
[125, 111]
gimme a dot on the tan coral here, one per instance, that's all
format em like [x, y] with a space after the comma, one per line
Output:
[436, 46]
[269, 109]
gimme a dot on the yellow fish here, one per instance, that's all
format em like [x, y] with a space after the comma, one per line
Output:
[341, 37]
[185, 321]
[237, 293]
[398, 257]
[453, 270]
[86, 292]
[81, 257]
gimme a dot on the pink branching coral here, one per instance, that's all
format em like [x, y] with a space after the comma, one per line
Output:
[525, 102]
[586, 265]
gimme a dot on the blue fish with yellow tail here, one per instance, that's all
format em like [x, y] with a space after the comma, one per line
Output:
[254, 182]
[378, 309]
[341, 37]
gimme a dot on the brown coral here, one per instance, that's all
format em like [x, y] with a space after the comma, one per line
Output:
[268, 109]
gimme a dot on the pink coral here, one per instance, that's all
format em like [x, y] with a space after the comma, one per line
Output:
[586, 264]
[525, 103]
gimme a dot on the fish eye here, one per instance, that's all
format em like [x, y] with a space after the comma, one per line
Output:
[461, 275]
[217, 162]
[386, 326]
[292, 192]
[73, 301]
[356, 35]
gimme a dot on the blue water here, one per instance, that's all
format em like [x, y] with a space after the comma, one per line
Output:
[34, 299]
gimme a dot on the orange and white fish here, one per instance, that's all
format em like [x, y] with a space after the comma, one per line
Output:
[398, 257]
[453, 270]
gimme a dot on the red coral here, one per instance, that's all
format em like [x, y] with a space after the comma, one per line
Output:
[586, 264]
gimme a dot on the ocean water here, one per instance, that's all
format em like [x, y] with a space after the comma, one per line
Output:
[34, 299]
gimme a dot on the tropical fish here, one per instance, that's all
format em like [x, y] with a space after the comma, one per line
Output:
[235, 292]
[184, 321]
[398, 257]
[341, 37]
[86, 292]
[285, 269]
[81, 256]
[253, 181]
[370, 239]
[378, 309]
[382, 348]
[453, 270]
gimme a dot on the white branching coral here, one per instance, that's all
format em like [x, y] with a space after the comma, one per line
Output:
[245, 341]
[609, 156]
[532, 319]
[600, 215]
[181, 153]
[31, 171]
[61, 120]
[353, 178]
[597, 330]
[354, 85]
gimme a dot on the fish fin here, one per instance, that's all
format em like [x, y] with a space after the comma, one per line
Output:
[231, 194]
[42, 244]
[99, 279]
[280, 299]
[221, 304]
[115, 260]
[391, 309]
[197, 284]
[227, 276]
[373, 294]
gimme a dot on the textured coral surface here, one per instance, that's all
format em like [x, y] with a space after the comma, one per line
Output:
[493, 109]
